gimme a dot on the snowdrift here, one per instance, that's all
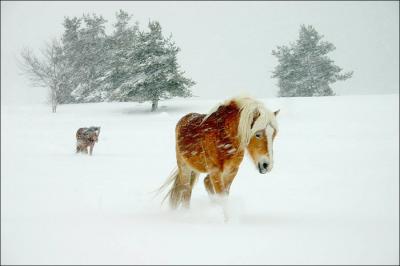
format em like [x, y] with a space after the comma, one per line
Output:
[331, 198]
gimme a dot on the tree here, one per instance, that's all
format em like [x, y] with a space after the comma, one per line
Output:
[49, 72]
[90, 59]
[90, 66]
[304, 68]
[156, 71]
[121, 57]
[72, 52]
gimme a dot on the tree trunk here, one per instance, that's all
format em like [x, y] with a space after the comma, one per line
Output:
[154, 105]
[53, 99]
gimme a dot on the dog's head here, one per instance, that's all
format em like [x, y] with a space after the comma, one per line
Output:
[94, 133]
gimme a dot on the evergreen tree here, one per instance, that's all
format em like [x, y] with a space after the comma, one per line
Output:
[128, 65]
[121, 63]
[157, 74]
[90, 63]
[71, 52]
[304, 68]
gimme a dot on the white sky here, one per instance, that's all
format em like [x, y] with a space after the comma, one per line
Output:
[225, 46]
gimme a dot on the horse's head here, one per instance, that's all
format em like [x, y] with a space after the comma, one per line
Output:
[261, 144]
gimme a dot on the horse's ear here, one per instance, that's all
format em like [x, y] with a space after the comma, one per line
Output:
[256, 114]
[277, 112]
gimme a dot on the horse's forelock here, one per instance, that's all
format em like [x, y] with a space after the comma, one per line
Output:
[249, 123]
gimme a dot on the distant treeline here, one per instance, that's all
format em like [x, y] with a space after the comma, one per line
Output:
[88, 65]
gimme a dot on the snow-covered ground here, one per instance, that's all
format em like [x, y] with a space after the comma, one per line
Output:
[332, 197]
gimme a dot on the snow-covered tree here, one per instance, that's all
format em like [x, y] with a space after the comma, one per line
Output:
[49, 71]
[71, 50]
[128, 65]
[91, 59]
[157, 75]
[121, 56]
[304, 68]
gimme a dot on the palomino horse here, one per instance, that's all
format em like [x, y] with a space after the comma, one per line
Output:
[215, 144]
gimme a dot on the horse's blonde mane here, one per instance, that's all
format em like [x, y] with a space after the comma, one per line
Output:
[249, 107]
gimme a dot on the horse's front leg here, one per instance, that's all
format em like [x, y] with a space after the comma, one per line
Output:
[217, 181]
[208, 185]
[223, 182]
[221, 190]
[228, 178]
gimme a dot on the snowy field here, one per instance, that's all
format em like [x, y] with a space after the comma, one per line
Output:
[332, 197]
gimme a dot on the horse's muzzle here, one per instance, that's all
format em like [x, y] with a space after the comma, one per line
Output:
[263, 167]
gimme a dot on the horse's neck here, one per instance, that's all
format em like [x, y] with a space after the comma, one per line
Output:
[230, 114]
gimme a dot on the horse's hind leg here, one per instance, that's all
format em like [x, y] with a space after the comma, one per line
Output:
[193, 179]
[188, 179]
[187, 193]
[182, 188]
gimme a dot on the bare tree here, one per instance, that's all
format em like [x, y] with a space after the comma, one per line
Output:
[48, 71]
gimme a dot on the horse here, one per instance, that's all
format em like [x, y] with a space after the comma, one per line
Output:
[215, 144]
[86, 138]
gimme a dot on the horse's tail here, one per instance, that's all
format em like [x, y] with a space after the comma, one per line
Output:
[174, 191]
[172, 178]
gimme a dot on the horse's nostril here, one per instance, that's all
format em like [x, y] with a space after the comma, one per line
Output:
[265, 165]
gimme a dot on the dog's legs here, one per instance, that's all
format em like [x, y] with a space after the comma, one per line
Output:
[91, 148]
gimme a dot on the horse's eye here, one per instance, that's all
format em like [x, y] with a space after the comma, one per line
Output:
[258, 135]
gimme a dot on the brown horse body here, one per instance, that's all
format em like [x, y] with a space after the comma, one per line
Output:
[215, 144]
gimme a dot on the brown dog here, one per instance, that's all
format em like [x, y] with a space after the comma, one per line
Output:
[86, 137]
